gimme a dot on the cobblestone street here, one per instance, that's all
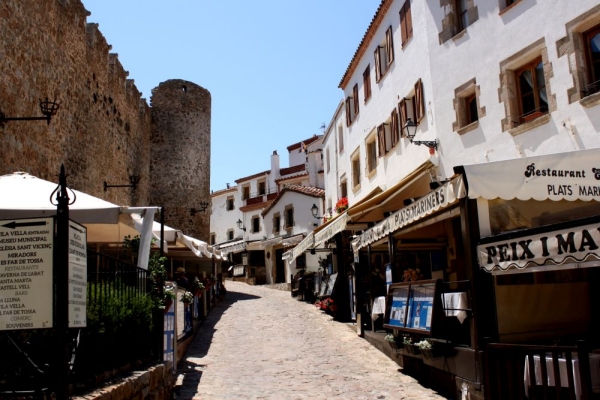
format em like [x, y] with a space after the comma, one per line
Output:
[260, 343]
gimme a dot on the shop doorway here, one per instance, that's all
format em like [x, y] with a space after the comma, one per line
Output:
[279, 267]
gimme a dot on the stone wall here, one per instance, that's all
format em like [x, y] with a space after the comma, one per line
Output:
[103, 130]
[155, 383]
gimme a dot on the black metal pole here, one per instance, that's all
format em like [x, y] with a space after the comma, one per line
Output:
[61, 273]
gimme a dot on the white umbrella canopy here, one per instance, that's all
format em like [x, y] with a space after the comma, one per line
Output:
[26, 196]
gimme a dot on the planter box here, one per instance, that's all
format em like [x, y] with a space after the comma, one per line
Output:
[431, 353]
[411, 349]
[393, 345]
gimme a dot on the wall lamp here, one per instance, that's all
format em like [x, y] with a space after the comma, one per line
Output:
[240, 225]
[201, 208]
[410, 128]
[133, 182]
[315, 212]
[48, 108]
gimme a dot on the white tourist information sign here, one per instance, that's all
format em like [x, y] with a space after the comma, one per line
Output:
[77, 275]
[26, 248]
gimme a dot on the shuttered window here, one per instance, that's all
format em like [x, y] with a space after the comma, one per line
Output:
[419, 105]
[406, 22]
[367, 83]
[355, 98]
[381, 139]
[389, 46]
[394, 125]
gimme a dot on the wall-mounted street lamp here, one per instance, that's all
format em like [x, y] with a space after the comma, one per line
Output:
[315, 212]
[48, 108]
[410, 130]
[240, 225]
[133, 182]
[201, 208]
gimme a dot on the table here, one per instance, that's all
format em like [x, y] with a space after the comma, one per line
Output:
[562, 366]
[378, 307]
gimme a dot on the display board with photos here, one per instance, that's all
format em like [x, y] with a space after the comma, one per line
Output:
[413, 306]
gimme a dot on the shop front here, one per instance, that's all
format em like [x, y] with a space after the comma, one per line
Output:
[538, 257]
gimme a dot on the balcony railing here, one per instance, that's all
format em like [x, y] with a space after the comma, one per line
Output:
[257, 197]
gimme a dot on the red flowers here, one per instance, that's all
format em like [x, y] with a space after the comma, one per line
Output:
[341, 205]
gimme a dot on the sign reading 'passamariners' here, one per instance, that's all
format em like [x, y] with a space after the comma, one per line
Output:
[26, 248]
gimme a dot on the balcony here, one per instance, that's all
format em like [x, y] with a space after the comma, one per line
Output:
[257, 198]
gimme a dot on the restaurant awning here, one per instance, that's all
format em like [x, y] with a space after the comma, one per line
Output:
[271, 242]
[574, 244]
[304, 245]
[563, 176]
[292, 240]
[413, 185]
[329, 230]
[442, 197]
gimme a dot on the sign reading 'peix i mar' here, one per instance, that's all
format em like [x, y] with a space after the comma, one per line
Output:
[26, 250]
[556, 247]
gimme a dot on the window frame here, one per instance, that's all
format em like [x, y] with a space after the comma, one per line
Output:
[406, 28]
[343, 187]
[356, 170]
[255, 221]
[371, 154]
[367, 83]
[230, 203]
[532, 68]
[590, 75]
[340, 139]
[230, 234]
[276, 223]
[289, 216]
[387, 45]
[262, 187]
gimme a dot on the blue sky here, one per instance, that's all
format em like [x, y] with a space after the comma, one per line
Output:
[272, 66]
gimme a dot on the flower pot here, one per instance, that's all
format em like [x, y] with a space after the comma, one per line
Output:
[411, 349]
[393, 345]
[431, 353]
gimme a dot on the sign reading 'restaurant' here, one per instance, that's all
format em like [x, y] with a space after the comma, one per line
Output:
[549, 248]
[26, 273]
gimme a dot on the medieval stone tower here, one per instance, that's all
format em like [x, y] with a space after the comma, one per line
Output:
[180, 155]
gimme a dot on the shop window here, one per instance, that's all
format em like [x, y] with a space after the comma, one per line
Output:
[459, 15]
[276, 223]
[525, 89]
[406, 23]
[384, 55]
[466, 107]
[367, 83]
[255, 224]
[229, 204]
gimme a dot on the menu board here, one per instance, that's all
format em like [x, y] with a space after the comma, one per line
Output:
[411, 306]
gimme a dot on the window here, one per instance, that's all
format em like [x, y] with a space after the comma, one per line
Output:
[341, 139]
[592, 52]
[230, 234]
[229, 204]
[355, 98]
[581, 46]
[246, 192]
[261, 188]
[276, 222]
[213, 238]
[384, 138]
[466, 107]
[367, 83]
[327, 160]
[405, 22]
[533, 99]
[459, 15]
[255, 224]
[289, 216]
[524, 90]
[371, 154]
[384, 55]
[344, 188]
[356, 170]
[418, 102]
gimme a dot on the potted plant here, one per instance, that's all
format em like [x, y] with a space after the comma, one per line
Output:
[187, 297]
[427, 349]
[391, 339]
[168, 298]
[341, 205]
[409, 346]
[197, 287]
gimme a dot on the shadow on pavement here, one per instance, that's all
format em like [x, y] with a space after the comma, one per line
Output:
[190, 366]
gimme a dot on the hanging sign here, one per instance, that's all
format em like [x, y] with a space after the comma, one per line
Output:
[77, 275]
[26, 251]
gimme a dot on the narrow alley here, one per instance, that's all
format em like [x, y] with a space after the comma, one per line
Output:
[260, 343]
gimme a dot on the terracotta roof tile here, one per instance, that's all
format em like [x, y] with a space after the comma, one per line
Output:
[292, 170]
[306, 142]
[222, 191]
[253, 176]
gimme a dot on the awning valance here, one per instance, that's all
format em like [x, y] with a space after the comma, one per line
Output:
[271, 242]
[330, 230]
[232, 247]
[292, 240]
[571, 245]
[563, 176]
[307, 243]
[440, 198]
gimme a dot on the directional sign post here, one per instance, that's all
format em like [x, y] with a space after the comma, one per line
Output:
[26, 270]
[77, 275]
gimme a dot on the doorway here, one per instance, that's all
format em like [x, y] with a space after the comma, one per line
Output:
[279, 267]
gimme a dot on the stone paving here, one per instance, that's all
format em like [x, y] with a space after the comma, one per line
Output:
[260, 343]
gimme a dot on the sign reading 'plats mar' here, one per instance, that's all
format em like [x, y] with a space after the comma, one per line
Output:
[26, 248]
[549, 248]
